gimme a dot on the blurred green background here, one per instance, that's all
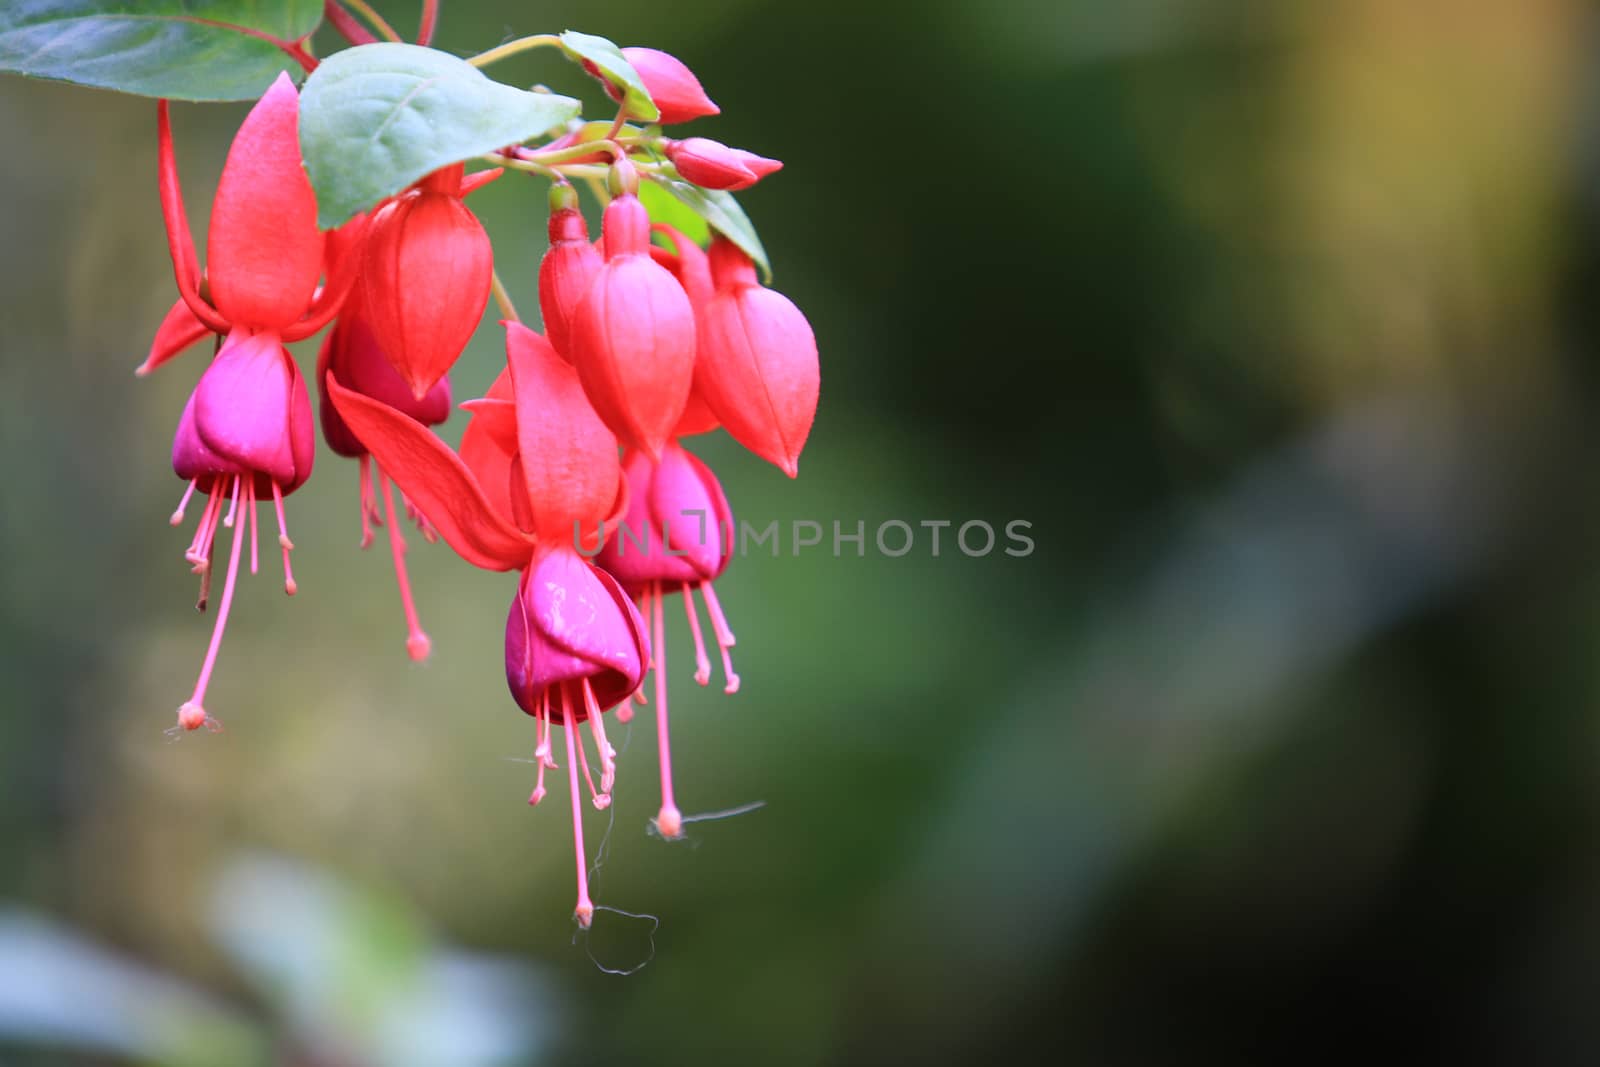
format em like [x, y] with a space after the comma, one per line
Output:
[1275, 319]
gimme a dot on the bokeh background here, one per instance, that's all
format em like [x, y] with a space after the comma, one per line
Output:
[1277, 322]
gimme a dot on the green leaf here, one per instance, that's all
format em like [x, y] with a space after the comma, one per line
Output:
[609, 60]
[664, 207]
[722, 212]
[182, 49]
[374, 119]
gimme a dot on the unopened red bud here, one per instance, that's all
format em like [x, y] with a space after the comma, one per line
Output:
[634, 335]
[425, 279]
[674, 88]
[567, 269]
[758, 366]
[710, 164]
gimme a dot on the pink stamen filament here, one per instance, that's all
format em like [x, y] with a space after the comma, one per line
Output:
[541, 752]
[192, 715]
[669, 820]
[608, 755]
[602, 799]
[369, 511]
[584, 911]
[702, 665]
[199, 552]
[418, 644]
[283, 541]
[725, 638]
[177, 516]
[255, 523]
[233, 504]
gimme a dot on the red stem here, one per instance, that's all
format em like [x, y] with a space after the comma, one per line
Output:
[347, 24]
[430, 18]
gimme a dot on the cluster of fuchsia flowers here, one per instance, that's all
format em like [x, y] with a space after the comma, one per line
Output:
[579, 436]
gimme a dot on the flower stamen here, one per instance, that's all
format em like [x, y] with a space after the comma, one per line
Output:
[283, 541]
[177, 516]
[584, 912]
[702, 664]
[192, 713]
[669, 820]
[418, 644]
[725, 638]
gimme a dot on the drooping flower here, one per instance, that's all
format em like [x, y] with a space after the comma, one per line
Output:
[633, 336]
[425, 278]
[567, 269]
[246, 434]
[536, 481]
[351, 353]
[713, 165]
[677, 536]
[672, 86]
[757, 367]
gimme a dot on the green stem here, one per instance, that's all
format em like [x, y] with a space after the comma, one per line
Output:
[503, 298]
[511, 48]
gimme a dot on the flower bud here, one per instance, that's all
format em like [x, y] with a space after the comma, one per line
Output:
[713, 165]
[567, 269]
[673, 86]
[634, 335]
[425, 280]
[758, 368]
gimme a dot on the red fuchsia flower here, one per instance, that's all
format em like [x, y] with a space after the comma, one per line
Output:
[757, 366]
[246, 433]
[351, 353]
[567, 269]
[633, 336]
[713, 165]
[425, 278]
[537, 478]
[671, 84]
[677, 536]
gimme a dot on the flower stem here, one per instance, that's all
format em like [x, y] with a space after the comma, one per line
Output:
[347, 25]
[511, 48]
[503, 298]
[430, 19]
[375, 20]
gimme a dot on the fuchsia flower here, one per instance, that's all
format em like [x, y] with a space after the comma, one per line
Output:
[537, 469]
[567, 269]
[246, 433]
[677, 536]
[713, 165]
[425, 277]
[351, 353]
[757, 367]
[672, 86]
[633, 336]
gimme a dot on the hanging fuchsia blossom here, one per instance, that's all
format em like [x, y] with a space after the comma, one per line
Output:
[351, 353]
[246, 434]
[537, 479]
